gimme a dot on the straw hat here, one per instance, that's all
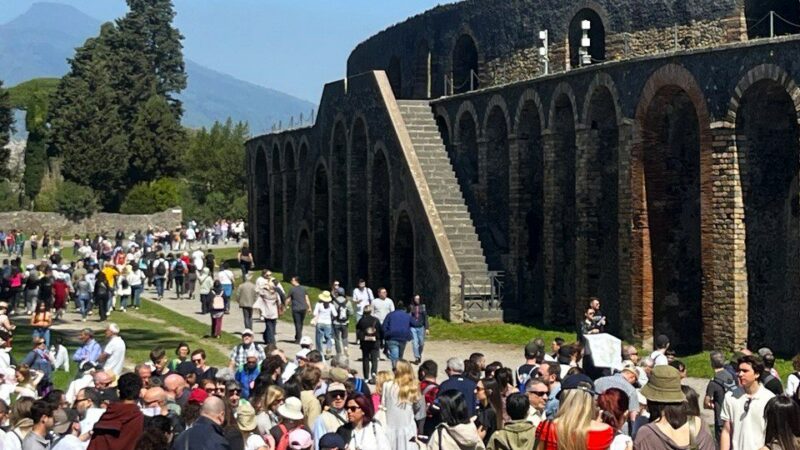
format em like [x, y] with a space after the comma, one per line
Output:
[246, 417]
[664, 385]
[291, 409]
[325, 297]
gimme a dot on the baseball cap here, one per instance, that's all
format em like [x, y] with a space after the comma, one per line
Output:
[63, 418]
[331, 440]
[333, 387]
[305, 340]
[247, 331]
[197, 396]
[337, 374]
[300, 439]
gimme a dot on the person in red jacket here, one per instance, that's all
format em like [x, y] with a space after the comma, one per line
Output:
[60, 294]
[123, 423]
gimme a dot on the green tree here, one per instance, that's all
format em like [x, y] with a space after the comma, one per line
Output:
[75, 202]
[9, 200]
[157, 142]
[86, 129]
[6, 128]
[35, 155]
[153, 197]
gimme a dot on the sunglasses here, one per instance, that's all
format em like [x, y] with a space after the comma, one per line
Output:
[235, 391]
[210, 390]
[747, 406]
[197, 361]
[538, 393]
[353, 408]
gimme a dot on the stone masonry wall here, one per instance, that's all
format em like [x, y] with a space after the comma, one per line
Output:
[61, 226]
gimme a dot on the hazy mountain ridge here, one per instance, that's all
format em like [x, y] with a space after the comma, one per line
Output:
[38, 43]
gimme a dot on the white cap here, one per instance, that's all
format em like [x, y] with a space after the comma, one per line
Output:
[305, 340]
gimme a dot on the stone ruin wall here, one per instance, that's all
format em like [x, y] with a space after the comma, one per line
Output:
[100, 222]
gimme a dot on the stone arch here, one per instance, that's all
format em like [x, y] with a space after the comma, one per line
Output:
[496, 208]
[304, 254]
[465, 157]
[565, 90]
[403, 255]
[290, 198]
[358, 226]
[598, 168]
[339, 185]
[597, 35]
[765, 111]
[302, 159]
[497, 101]
[756, 17]
[602, 80]
[422, 70]
[278, 208]
[671, 199]
[380, 218]
[394, 71]
[321, 204]
[529, 125]
[262, 204]
[465, 63]
[561, 203]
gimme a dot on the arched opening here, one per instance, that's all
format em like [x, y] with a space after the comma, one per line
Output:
[601, 204]
[530, 279]
[597, 37]
[302, 157]
[466, 73]
[291, 197]
[671, 163]
[767, 143]
[380, 217]
[465, 160]
[278, 208]
[756, 12]
[403, 260]
[422, 71]
[358, 199]
[263, 213]
[321, 227]
[304, 256]
[497, 210]
[564, 217]
[339, 244]
[395, 74]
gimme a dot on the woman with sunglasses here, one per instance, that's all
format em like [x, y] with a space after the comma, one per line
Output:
[490, 406]
[267, 406]
[361, 432]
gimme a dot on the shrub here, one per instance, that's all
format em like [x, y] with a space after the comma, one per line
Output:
[75, 202]
[153, 197]
[9, 200]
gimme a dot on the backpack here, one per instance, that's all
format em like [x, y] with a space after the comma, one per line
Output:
[125, 284]
[283, 442]
[161, 269]
[342, 314]
[726, 387]
[523, 378]
[370, 334]
[218, 302]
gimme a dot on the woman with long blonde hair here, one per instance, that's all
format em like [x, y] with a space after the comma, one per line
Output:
[575, 426]
[267, 408]
[403, 403]
[380, 379]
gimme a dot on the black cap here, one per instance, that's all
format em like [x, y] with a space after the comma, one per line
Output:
[331, 440]
[661, 341]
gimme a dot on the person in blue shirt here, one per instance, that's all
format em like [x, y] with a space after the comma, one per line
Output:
[246, 376]
[397, 332]
[90, 350]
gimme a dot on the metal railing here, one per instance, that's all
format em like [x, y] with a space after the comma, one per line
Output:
[483, 293]
[301, 122]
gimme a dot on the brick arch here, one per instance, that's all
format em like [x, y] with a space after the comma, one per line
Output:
[664, 84]
[530, 95]
[467, 107]
[277, 148]
[441, 111]
[594, 6]
[403, 254]
[464, 30]
[321, 229]
[496, 101]
[303, 143]
[760, 73]
[601, 80]
[563, 88]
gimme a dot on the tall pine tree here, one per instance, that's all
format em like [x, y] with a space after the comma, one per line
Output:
[157, 142]
[85, 125]
[6, 128]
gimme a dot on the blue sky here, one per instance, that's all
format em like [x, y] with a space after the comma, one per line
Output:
[294, 46]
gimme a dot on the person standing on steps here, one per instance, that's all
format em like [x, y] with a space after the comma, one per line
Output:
[420, 315]
[300, 305]
[246, 296]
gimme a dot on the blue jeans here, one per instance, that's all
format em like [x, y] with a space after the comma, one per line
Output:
[42, 333]
[159, 286]
[395, 349]
[324, 335]
[136, 293]
[85, 304]
[417, 341]
[227, 292]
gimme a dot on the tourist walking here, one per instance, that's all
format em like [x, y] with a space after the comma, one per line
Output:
[41, 321]
[370, 335]
[404, 404]
[342, 311]
[245, 258]
[383, 305]
[323, 322]
[226, 280]
[216, 309]
[362, 296]
[206, 284]
[270, 308]
[136, 280]
[101, 292]
[743, 410]
[396, 333]
[246, 296]
[300, 305]
[123, 290]
[420, 315]
[160, 272]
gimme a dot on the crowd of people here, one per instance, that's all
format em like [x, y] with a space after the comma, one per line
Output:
[558, 398]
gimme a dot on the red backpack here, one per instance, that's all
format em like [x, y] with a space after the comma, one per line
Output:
[283, 441]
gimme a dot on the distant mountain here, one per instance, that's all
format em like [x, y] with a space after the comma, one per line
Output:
[38, 43]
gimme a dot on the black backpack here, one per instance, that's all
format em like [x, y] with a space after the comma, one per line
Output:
[161, 269]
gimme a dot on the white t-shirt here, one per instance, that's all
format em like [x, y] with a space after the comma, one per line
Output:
[254, 442]
[323, 315]
[69, 442]
[115, 348]
[225, 277]
[792, 384]
[659, 358]
[135, 277]
[362, 299]
[747, 430]
[190, 234]
[620, 442]
[382, 307]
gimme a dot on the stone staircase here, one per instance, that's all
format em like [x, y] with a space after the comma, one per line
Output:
[452, 209]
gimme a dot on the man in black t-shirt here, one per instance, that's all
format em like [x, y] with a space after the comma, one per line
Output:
[300, 306]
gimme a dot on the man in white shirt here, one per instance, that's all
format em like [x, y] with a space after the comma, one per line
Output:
[382, 306]
[659, 355]
[742, 413]
[113, 356]
[362, 296]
